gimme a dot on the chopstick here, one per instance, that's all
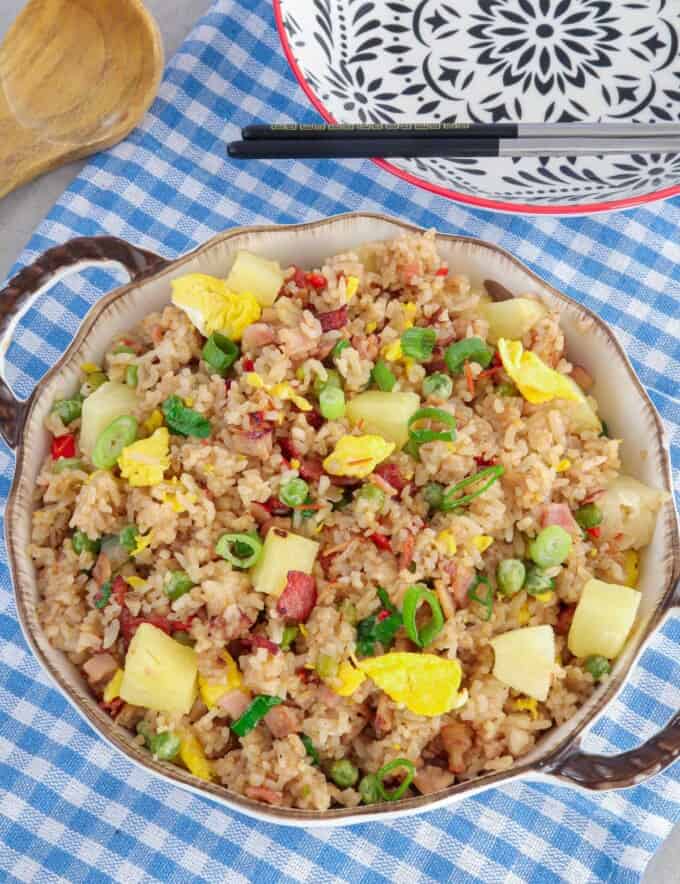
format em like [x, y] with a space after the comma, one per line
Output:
[325, 132]
[351, 147]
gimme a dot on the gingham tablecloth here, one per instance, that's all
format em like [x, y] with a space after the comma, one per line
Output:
[71, 809]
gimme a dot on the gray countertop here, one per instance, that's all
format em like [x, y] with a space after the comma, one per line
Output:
[22, 211]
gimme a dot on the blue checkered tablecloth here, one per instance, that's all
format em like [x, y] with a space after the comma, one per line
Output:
[71, 809]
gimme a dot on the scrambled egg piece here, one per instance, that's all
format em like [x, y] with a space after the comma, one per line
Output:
[135, 582]
[212, 307]
[172, 497]
[631, 567]
[351, 287]
[563, 465]
[544, 597]
[425, 683]
[154, 421]
[143, 540]
[144, 462]
[112, 689]
[534, 379]
[527, 704]
[211, 691]
[371, 327]
[357, 455]
[482, 542]
[393, 352]
[409, 311]
[193, 757]
[347, 679]
[254, 380]
[524, 615]
[447, 543]
[286, 391]
[89, 368]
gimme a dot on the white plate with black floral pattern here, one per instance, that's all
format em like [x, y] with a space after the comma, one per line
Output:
[400, 61]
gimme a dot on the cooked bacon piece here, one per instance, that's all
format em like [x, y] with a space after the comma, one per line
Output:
[262, 793]
[391, 473]
[102, 569]
[254, 443]
[564, 619]
[283, 720]
[457, 740]
[407, 552]
[559, 514]
[432, 779]
[260, 513]
[311, 469]
[100, 668]
[461, 578]
[333, 319]
[298, 598]
[256, 336]
[381, 541]
[234, 703]
[383, 720]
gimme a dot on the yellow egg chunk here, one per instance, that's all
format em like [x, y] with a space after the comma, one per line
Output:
[112, 689]
[256, 275]
[604, 616]
[160, 673]
[512, 318]
[347, 679]
[384, 414]
[212, 307]
[211, 691]
[535, 380]
[282, 552]
[144, 462]
[425, 683]
[525, 660]
[193, 757]
[357, 455]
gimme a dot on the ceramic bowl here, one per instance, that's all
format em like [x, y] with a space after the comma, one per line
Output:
[624, 404]
[392, 61]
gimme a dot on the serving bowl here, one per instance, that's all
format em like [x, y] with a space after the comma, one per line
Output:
[623, 404]
[487, 61]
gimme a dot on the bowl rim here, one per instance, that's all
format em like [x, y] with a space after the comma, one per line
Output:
[508, 208]
[116, 736]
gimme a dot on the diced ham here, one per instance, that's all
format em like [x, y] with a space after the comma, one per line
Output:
[457, 740]
[129, 716]
[283, 720]
[256, 336]
[461, 578]
[100, 668]
[407, 552]
[298, 598]
[333, 319]
[296, 344]
[102, 569]
[383, 720]
[260, 513]
[234, 703]
[262, 793]
[431, 779]
[582, 378]
[311, 469]
[391, 473]
[254, 443]
[261, 641]
[367, 346]
[283, 522]
[381, 541]
[324, 348]
[559, 514]
[564, 619]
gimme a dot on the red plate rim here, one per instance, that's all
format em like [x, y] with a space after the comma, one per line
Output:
[479, 202]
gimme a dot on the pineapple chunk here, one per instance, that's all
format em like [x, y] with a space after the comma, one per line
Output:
[525, 660]
[160, 673]
[282, 552]
[629, 508]
[257, 276]
[511, 319]
[603, 618]
[384, 414]
[101, 408]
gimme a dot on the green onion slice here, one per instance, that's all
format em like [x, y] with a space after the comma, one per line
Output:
[485, 601]
[332, 403]
[240, 550]
[220, 352]
[340, 345]
[254, 713]
[69, 409]
[424, 434]
[177, 585]
[439, 385]
[294, 492]
[309, 748]
[132, 375]
[383, 376]
[412, 599]
[418, 343]
[487, 477]
[103, 595]
[68, 463]
[467, 350]
[386, 770]
[110, 443]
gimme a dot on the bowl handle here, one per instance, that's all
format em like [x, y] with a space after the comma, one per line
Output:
[21, 292]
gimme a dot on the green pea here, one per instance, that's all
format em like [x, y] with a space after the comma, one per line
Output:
[165, 745]
[294, 492]
[551, 547]
[178, 584]
[289, 635]
[128, 537]
[332, 403]
[536, 582]
[588, 516]
[439, 385]
[369, 789]
[507, 389]
[93, 382]
[327, 666]
[510, 576]
[82, 543]
[69, 409]
[433, 493]
[372, 494]
[343, 773]
[597, 666]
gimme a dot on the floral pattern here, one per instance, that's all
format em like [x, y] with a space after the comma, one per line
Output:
[393, 61]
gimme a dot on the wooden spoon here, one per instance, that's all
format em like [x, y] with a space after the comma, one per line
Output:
[76, 76]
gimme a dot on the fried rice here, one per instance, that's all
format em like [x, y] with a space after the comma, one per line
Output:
[266, 429]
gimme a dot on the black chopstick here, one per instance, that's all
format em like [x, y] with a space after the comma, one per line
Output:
[367, 131]
[349, 147]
